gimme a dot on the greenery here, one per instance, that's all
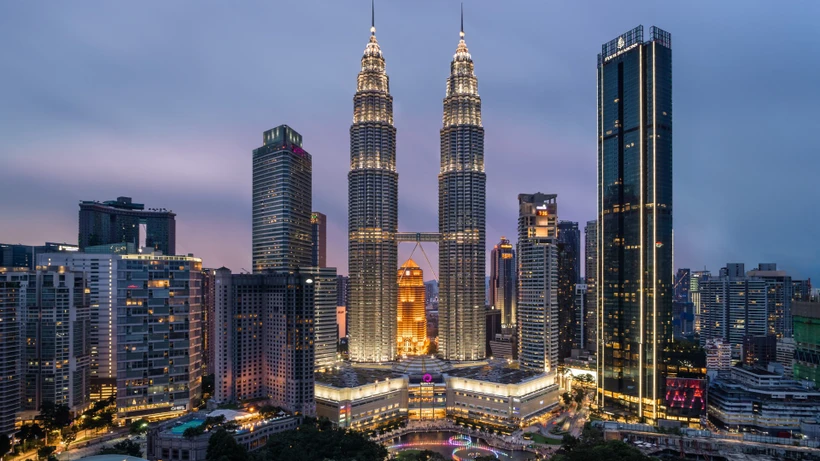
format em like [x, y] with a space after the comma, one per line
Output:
[269, 411]
[420, 455]
[210, 423]
[591, 446]
[30, 435]
[45, 452]
[126, 447]
[99, 416]
[223, 447]
[69, 435]
[139, 426]
[318, 440]
[5, 445]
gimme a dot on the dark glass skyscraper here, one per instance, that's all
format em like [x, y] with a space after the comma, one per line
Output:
[502, 281]
[373, 189]
[634, 219]
[461, 215]
[118, 221]
[590, 276]
[282, 175]
[569, 270]
[318, 231]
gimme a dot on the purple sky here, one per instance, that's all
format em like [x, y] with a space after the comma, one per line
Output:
[164, 102]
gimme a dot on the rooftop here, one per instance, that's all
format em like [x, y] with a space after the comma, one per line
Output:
[495, 373]
[348, 376]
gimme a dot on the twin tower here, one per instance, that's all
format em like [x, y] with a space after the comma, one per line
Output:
[373, 214]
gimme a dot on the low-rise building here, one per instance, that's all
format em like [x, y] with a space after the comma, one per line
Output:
[361, 398]
[755, 399]
[167, 442]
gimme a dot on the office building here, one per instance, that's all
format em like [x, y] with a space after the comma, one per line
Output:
[324, 324]
[779, 287]
[634, 219]
[733, 308]
[759, 350]
[590, 276]
[56, 327]
[502, 281]
[318, 232]
[683, 320]
[694, 294]
[462, 215]
[120, 221]
[569, 271]
[100, 269]
[718, 355]
[582, 323]
[801, 290]
[806, 320]
[341, 322]
[682, 284]
[759, 399]
[282, 174]
[11, 300]
[538, 282]
[208, 325]
[493, 326]
[785, 355]
[372, 213]
[25, 256]
[412, 321]
[266, 323]
[159, 328]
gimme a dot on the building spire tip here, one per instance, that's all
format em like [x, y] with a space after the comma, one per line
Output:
[461, 34]
[373, 17]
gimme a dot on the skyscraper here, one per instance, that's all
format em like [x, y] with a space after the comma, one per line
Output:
[569, 271]
[282, 173]
[119, 221]
[159, 323]
[502, 281]
[461, 214]
[590, 276]
[56, 345]
[372, 213]
[780, 298]
[682, 285]
[412, 320]
[209, 337]
[10, 350]
[538, 282]
[265, 323]
[634, 219]
[324, 316]
[318, 228]
[25, 256]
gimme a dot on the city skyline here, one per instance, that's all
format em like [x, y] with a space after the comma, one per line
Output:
[524, 130]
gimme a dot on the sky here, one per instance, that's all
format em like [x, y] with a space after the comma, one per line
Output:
[165, 101]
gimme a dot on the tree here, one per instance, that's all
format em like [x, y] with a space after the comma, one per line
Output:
[54, 417]
[308, 442]
[269, 411]
[126, 447]
[139, 426]
[567, 398]
[579, 395]
[613, 450]
[5, 445]
[69, 435]
[46, 451]
[223, 447]
[569, 442]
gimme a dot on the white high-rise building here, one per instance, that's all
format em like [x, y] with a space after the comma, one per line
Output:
[538, 282]
[718, 355]
[101, 273]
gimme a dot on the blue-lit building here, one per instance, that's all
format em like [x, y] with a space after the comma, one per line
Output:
[634, 220]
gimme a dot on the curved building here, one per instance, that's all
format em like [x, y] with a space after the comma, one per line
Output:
[461, 216]
[373, 214]
[412, 319]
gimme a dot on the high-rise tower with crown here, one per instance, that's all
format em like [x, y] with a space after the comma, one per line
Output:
[461, 215]
[372, 213]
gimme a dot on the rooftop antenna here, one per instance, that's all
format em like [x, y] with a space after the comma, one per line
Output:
[372, 17]
[462, 20]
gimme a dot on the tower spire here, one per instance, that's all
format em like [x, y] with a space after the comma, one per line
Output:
[461, 34]
[372, 17]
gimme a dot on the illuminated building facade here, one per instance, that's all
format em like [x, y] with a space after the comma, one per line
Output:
[282, 174]
[412, 322]
[324, 305]
[461, 215]
[10, 349]
[159, 324]
[102, 284]
[56, 331]
[634, 220]
[502, 281]
[538, 282]
[266, 323]
[318, 232]
[372, 214]
[806, 319]
[590, 276]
